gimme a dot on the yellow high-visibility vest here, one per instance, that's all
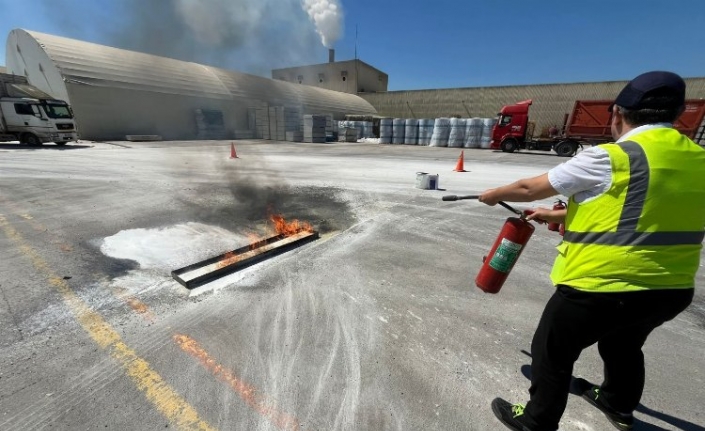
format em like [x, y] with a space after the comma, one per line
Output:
[646, 231]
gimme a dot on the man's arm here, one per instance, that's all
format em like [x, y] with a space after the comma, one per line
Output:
[524, 190]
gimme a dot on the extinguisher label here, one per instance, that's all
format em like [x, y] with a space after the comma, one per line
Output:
[505, 256]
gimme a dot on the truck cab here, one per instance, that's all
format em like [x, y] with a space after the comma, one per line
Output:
[512, 125]
[514, 132]
[32, 117]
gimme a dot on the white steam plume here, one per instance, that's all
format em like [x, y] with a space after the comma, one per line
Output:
[327, 15]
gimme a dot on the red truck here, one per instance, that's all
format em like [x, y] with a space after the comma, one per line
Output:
[588, 124]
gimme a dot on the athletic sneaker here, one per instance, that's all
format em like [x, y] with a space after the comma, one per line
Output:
[509, 414]
[591, 393]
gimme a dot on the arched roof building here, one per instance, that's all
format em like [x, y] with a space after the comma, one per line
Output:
[115, 92]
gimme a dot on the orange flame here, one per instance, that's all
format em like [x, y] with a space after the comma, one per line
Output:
[293, 227]
[281, 227]
[225, 260]
[256, 241]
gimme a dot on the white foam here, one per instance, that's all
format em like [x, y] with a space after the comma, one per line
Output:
[159, 251]
[171, 247]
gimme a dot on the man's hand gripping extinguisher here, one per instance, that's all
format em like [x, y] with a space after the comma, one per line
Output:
[505, 251]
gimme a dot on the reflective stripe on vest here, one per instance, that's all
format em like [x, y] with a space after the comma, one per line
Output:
[626, 234]
[646, 230]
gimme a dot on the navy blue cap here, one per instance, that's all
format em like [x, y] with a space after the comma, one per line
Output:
[655, 83]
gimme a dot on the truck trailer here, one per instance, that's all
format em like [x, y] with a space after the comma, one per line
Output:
[32, 117]
[588, 124]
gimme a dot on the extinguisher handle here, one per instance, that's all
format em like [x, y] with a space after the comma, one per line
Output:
[537, 220]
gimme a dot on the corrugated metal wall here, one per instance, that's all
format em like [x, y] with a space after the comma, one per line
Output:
[551, 102]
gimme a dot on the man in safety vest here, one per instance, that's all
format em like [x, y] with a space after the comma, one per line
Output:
[634, 228]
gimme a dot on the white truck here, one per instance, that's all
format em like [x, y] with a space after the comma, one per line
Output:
[32, 117]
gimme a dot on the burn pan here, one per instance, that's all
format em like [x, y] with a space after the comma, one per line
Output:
[200, 273]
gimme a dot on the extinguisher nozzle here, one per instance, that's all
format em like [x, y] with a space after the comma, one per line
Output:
[457, 198]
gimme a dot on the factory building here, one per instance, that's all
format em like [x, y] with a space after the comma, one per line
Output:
[352, 76]
[115, 92]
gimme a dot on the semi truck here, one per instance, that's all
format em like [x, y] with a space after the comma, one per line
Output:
[32, 117]
[588, 124]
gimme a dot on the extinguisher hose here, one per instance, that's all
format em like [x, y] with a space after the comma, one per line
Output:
[504, 204]
[512, 209]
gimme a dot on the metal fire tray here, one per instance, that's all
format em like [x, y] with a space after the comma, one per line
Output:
[207, 270]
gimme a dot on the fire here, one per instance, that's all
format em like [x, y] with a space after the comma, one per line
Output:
[281, 227]
[293, 227]
[256, 241]
[225, 260]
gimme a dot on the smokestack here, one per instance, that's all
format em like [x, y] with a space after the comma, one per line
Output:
[331, 56]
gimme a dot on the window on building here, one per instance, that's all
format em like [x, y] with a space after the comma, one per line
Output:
[301, 79]
[321, 77]
[381, 78]
[344, 74]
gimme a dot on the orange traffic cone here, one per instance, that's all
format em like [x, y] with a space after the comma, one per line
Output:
[233, 154]
[460, 167]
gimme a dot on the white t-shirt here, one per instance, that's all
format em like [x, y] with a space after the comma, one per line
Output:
[589, 174]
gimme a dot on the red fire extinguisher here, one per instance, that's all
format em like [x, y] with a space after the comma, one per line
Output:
[507, 248]
[505, 251]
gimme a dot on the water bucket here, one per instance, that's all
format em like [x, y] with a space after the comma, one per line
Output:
[426, 181]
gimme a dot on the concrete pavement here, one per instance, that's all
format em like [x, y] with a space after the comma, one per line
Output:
[375, 326]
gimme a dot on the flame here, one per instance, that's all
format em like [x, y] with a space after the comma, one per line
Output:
[293, 227]
[281, 227]
[256, 241]
[225, 260]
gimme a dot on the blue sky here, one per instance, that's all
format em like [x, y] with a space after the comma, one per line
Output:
[426, 44]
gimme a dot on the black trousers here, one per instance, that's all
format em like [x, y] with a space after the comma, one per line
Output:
[618, 322]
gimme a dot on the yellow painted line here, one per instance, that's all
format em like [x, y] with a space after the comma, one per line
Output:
[135, 304]
[158, 392]
[247, 392]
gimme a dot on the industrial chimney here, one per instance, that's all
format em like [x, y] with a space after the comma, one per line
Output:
[331, 56]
